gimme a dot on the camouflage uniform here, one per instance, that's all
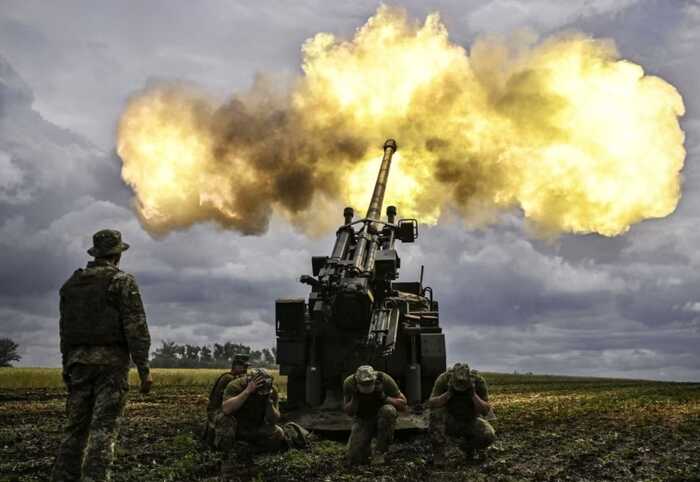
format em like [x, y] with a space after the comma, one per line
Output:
[249, 423]
[96, 374]
[239, 366]
[459, 419]
[374, 417]
[214, 413]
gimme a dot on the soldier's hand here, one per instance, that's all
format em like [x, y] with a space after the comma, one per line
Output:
[251, 387]
[146, 384]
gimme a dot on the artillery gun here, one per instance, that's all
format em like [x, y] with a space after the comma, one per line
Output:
[358, 314]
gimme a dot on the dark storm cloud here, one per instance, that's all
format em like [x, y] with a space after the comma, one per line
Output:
[625, 306]
[509, 305]
[64, 189]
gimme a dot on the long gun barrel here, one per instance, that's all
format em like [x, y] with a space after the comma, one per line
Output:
[362, 260]
[375, 206]
[358, 313]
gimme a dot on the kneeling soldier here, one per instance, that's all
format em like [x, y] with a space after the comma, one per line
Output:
[457, 404]
[374, 399]
[215, 414]
[251, 410]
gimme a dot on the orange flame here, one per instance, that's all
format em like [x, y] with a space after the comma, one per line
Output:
[578, 139]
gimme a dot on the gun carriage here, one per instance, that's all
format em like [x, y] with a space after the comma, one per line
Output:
[357, 313]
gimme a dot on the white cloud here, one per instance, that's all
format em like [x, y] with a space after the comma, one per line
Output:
[505, 16]
[12, 181]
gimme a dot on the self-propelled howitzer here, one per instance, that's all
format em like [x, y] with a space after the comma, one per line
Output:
[357, 313]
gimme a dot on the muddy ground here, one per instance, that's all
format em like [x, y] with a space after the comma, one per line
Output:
[549, 428]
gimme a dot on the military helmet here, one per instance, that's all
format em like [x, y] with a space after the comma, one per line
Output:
[265, 384]
[461, 378]
[107, 242]
[365, 375]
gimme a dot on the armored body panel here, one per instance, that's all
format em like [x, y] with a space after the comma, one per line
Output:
[357, 313]
[88, 316]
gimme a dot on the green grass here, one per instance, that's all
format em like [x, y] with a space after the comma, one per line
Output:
[50, 378]
[548, 428]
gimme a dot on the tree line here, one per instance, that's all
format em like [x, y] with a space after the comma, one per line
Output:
[173, 355]
[8, 352]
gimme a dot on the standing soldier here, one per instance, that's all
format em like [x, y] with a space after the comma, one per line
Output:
[102, 324]
[251, 412]
[457, 404]
[374, 399]
[239, 367]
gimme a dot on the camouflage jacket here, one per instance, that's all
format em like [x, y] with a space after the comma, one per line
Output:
[216, 396]
[123, 293]
[460, 404]
[369, 404]
[252, 413]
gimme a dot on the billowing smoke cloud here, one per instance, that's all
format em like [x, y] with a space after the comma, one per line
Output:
[563, 129]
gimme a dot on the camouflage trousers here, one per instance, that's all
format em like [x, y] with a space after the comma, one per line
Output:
[266, 438]
[382, 426]
[269, 437]
[96, 399]
[474, 433]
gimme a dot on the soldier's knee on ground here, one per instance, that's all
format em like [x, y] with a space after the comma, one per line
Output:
[224, 432]
[359, 444]
[387, 412]
[277, 433]
[386, 422]
[278, 438]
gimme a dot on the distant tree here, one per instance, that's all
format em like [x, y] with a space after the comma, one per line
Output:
[166, 355]
[192, 352]
[256, 357]
[180, 350]
[231, 349]
[219, 353]
[267, 357]
[8, 352]
[173, 355]
[168, 349]
[205, 355]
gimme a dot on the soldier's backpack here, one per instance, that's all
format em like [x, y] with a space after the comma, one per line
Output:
[216, 398]
[88, 316]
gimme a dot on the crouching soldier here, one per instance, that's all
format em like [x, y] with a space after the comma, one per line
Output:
[251, 409]
[458, 403]
[374, 399]
[215, 414]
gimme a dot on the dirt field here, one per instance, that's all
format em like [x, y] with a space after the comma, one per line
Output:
[549, 428]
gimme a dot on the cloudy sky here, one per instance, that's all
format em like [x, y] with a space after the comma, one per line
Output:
[627, 306]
